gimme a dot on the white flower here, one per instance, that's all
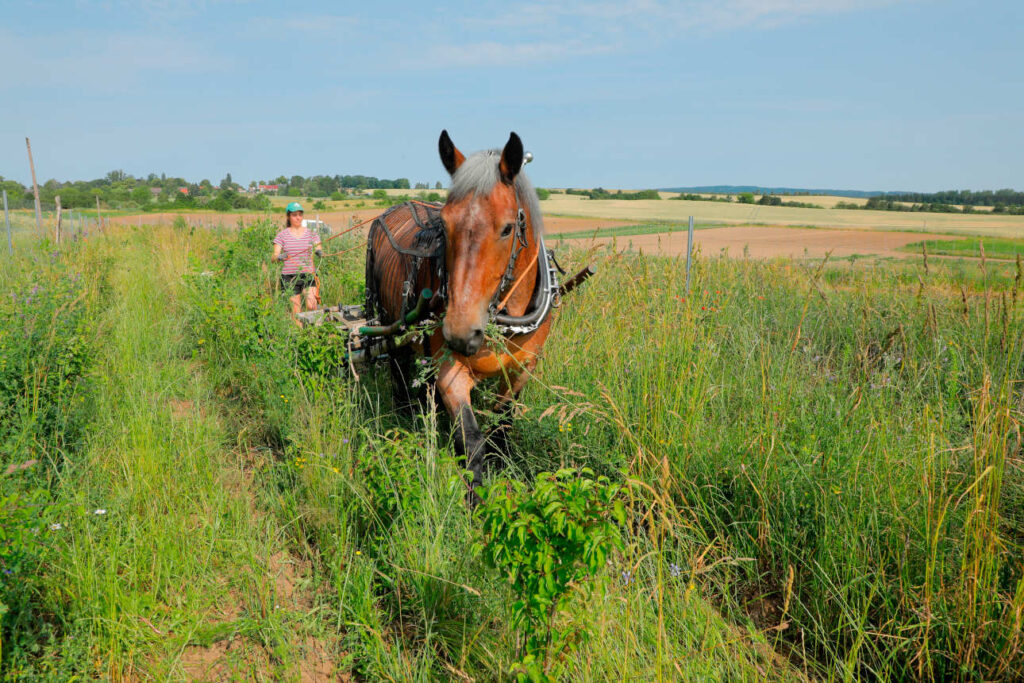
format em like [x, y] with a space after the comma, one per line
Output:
[56, 526]
[100, 511]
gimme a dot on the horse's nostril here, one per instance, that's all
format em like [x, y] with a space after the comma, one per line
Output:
[475, 341]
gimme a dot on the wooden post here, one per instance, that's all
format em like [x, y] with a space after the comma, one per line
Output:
[7, 220]
[35, 189]
[99, 216]
[689, 254]
[56, 230]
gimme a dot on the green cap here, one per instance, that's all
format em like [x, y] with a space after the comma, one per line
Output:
[294, 206]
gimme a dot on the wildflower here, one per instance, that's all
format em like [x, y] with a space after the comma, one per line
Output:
[344, 440]
[99, 511]
[359, 552]
[335, 470]
[56, 526]
[8, 572]
[627, 578]
[674, 570]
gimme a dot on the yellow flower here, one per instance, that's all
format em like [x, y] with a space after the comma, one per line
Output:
[336, 470]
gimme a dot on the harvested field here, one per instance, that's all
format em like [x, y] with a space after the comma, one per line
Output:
[769, 242]
[647, 210]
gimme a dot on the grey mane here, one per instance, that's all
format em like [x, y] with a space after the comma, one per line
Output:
[479, 173]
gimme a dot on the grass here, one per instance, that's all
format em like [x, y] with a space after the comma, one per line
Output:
[971, 247]
[822, 466]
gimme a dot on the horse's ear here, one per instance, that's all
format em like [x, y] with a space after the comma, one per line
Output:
[511, 158]
[450, 156]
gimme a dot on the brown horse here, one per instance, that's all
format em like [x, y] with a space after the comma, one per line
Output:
[483, 254]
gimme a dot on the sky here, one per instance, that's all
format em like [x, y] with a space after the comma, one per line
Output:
[916, 95]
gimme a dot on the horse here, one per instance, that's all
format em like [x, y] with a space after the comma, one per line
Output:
[483, 255]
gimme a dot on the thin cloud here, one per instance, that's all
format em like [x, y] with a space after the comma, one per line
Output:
[665, 17]
[308, 26]
[87, 59]
[493, 53]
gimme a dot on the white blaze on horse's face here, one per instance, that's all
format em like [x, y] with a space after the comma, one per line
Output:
[480, 235]
[480, 218]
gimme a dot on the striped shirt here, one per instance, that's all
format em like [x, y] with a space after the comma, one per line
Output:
[298, 250]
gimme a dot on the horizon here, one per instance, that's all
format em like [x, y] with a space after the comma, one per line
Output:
[905, 95]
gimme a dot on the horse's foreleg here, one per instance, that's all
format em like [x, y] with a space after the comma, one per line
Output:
[509, 387]
[455, 382]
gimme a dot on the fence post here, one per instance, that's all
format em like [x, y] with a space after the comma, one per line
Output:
[689, 255]
[35, 189]
[7, 220]
[56, 228]
[99, 216]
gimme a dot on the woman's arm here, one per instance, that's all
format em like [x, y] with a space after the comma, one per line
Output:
[277, 252]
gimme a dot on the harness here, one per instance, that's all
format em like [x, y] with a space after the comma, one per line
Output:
[430, 242]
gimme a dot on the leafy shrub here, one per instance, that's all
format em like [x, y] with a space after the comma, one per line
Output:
[239, 326]
[546, 541]
[46, 351]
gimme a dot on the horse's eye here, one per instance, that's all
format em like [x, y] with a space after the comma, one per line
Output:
[507, 230]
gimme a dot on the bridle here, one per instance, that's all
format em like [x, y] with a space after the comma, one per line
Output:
[431, 243]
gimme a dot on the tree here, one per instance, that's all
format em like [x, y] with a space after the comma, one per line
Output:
[438, 185]
[140, 195]
[745, 198]
[227, 182]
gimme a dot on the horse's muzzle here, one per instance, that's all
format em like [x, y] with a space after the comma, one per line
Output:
[467, 346]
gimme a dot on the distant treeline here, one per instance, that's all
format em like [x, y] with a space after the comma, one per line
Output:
[1005, 197]
[747, 198]
[601, 193]
[702, 198]
[889, 204]
[120, 190]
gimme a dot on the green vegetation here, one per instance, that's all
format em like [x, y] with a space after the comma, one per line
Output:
[1005, 197]
[601, 193]
[701, 198]
[818, 473]
[994, 247]
[895, 203]
[547, 540]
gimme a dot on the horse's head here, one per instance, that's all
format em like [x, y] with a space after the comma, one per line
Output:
[482, 217]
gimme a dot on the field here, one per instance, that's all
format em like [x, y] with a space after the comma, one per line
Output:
[820, 468]
[760, 241]
[676, 211]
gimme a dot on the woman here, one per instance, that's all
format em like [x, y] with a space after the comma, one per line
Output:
[294, 246]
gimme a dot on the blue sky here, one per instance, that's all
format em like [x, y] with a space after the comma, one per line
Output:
[852, 94]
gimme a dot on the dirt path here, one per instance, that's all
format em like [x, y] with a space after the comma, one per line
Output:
[770, 242]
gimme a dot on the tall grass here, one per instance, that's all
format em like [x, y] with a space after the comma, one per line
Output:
[856, 439]
[822, 467]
